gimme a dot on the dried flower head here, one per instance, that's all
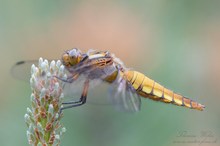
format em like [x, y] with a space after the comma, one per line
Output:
[43, 118]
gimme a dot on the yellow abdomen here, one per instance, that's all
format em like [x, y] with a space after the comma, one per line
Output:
[148, 88]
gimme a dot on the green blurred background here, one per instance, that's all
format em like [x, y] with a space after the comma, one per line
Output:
[175, 42]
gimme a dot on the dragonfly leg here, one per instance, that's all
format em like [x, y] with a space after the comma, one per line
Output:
[69, 79]
[81, 101]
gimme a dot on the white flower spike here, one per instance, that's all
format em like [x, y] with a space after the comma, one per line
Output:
[43, 118]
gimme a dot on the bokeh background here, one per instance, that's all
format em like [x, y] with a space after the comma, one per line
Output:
[175, 42]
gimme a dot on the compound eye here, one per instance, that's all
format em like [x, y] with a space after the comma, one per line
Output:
[74, 53]
[66, 59]
[71, 57]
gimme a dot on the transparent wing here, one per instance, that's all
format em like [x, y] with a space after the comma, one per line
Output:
[72, 91]
[22, 70]
[124, 96]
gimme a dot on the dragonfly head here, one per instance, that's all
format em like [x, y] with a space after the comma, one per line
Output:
[71, 57]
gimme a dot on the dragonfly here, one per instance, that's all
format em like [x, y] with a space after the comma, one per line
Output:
[126, 86]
